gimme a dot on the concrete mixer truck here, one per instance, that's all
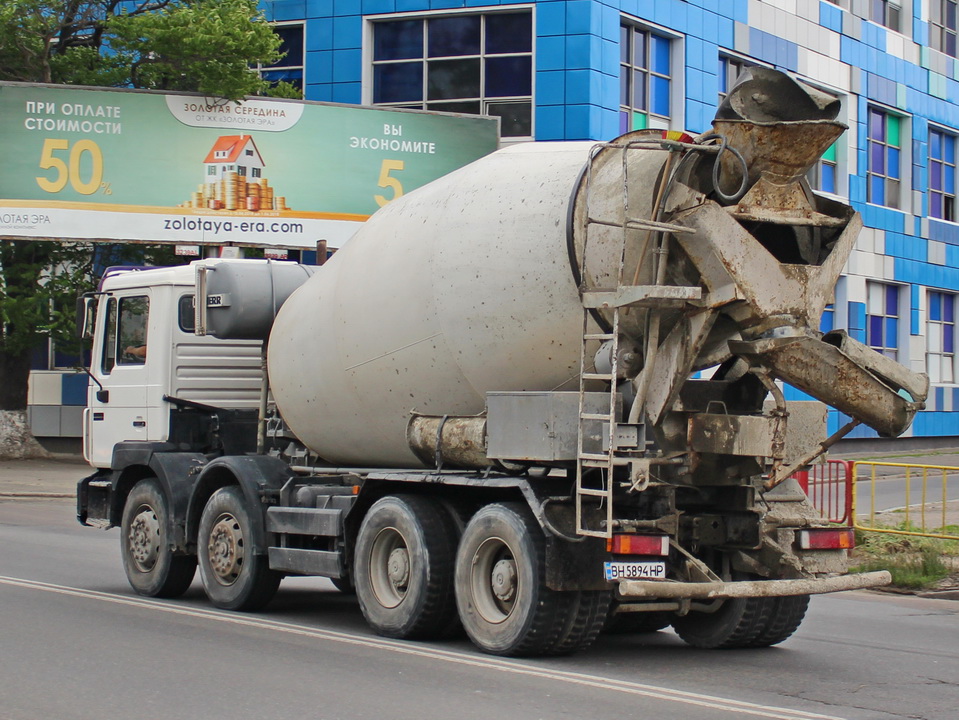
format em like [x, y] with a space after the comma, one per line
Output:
[539, 397]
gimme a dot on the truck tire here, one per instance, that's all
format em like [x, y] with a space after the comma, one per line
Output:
[403, 567]
[786, 616]
[738, 623]
[148, 558]
[503, 601]
[586, 616]
[234, 577]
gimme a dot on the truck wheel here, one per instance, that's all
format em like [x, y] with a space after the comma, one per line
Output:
[786, 616]
[234, 577]
[501, 593]
[586, 616]
[736, 624]
[148, 558]
[403, 567]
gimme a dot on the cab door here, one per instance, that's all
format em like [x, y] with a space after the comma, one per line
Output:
[117, 400]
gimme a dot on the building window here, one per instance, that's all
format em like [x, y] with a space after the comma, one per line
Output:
[644, 79]
[882, 318]
[730, 69]
[942, 175]
[885, 159]
[289, 68]
[941, 337]
[467, 63]
[824, 174]
[942, 26]
[886, 12]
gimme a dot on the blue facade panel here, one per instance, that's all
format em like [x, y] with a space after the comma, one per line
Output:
[576, 96]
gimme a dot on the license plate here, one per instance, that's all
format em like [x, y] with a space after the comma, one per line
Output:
[635, 570]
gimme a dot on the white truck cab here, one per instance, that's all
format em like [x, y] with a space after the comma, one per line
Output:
[145, 353]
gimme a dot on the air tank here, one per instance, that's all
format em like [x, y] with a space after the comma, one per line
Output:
[461, 287]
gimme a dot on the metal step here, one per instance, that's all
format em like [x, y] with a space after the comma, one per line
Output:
[593, 492]
[598, 376]
[597, 416]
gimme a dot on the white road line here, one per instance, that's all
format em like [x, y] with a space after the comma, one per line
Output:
[484, 662]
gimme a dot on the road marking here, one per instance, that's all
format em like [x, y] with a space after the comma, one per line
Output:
[484, 662]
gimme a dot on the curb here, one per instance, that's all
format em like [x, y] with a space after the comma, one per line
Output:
[36, 495]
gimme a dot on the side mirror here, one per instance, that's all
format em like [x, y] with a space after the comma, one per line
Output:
[86, 311]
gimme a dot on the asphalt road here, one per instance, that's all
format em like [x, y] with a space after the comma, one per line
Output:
[77, 643]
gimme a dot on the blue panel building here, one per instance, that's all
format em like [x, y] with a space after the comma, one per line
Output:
[592, 69]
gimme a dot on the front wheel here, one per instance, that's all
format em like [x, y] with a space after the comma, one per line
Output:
[151, 566]
[234, 576]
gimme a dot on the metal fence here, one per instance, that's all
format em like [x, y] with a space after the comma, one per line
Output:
[904, 499]
[829, 488]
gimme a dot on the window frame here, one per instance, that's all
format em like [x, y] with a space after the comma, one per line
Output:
[436, 104]
[943, 357]
[939, 31]
[885, 15]
[887, 331]
[949, 199]
[839, 161]
[741, 62]
[902, 183]
[653, 120]
[283, 66]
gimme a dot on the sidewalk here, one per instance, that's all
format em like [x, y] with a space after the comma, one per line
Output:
[56, 477]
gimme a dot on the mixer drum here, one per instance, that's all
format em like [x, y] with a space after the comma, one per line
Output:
[461, 287]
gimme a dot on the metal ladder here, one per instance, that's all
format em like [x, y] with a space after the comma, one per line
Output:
[597, 487]
[594, 488]
[592, 422]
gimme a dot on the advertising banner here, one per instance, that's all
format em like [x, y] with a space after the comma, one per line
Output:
[134, 166]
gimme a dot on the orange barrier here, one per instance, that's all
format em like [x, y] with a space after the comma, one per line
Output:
[828, 486]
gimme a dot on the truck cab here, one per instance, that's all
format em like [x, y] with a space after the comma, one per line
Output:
[147, 363]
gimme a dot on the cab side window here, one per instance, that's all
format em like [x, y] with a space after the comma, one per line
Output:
[125, 341]
[186, 314]
[110, 337]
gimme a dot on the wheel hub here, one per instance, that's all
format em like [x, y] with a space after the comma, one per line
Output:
[494, 580]
[144, 539]
[390, 567]
[398, 568]
[503, 580]
[225, 549]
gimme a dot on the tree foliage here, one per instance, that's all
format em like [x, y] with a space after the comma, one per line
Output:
[207, 46]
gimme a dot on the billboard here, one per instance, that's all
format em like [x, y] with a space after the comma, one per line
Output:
[128, 165]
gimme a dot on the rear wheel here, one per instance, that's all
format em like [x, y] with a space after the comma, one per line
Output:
[234, 576]
[503, 601]
[738, 623]
[403, 567]
[786, 616]
[148, 558]
[585, 619]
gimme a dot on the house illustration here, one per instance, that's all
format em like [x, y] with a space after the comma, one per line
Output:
[233, 154]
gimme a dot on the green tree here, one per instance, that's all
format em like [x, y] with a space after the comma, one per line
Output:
[206, 46]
